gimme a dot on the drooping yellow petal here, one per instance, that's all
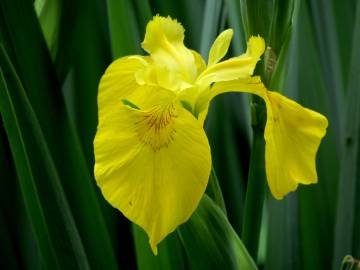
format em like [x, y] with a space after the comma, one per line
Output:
[292, 135]
[153, 165]
[164, 41]
[236, 67]
[220, 47]
[137, 152]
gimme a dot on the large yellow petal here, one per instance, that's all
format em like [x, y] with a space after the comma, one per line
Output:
[234, 68]
[153, 165]
[164, 41]
[292, 135]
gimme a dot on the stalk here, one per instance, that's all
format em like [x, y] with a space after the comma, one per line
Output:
[273, 20]
[256, 16]
[255, 193]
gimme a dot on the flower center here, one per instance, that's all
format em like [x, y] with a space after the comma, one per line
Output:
[156, 126]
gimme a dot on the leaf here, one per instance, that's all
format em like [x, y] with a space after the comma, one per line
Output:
[284, 13]
[323, 24]
[317, 203]
[282, 217]
[9, 258]
[88, 65]
[171, 254]
[190, 13]
[347, 235]
[143, 14]
[235, 22]
[49, 17]
[255, 192]
[45, 201]
[213, 190]
[7, 249]
[16, 224]
[210, 26]
[210, 242]
[125, 39]
[282, 249]
[45, 97]
[256, 16]
[227, 128]
[344, 16]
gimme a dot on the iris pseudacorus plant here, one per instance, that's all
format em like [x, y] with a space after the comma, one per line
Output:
[152, 156]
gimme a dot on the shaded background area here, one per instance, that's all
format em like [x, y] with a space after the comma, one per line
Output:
[60, 49]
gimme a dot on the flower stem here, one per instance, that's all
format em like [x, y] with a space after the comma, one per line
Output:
[256, 181]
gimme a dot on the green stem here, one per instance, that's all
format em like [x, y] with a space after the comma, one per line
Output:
[256, 182]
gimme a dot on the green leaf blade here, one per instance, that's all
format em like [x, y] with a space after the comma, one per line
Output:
[25, 136]
[210, 242]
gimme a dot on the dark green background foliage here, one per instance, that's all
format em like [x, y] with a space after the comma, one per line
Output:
[52, 215]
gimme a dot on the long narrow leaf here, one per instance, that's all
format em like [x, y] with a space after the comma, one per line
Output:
[46, 202]
[349, 181]
[317, 202]
[46, 99]
[171, 254]
[8, 255]
[124, 36]
[323, 23]
[211, 243]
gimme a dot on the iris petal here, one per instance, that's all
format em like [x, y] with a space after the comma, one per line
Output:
[234, 68]
[292, 135]
[199, 62]
[220, 46]
[152, 159]
[153, 165]
[164, 41]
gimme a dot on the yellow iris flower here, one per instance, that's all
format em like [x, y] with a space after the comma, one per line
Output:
[152, 156]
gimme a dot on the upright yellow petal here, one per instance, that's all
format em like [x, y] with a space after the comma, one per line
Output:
[159, 75]
[164, 41]
[152, 164]
[220, 46]
[292, 135]
[199, 62]
[236, 67]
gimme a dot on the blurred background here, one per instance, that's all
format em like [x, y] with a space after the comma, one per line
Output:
[53, 53]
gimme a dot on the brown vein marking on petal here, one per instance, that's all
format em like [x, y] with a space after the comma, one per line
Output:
[156, 126]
